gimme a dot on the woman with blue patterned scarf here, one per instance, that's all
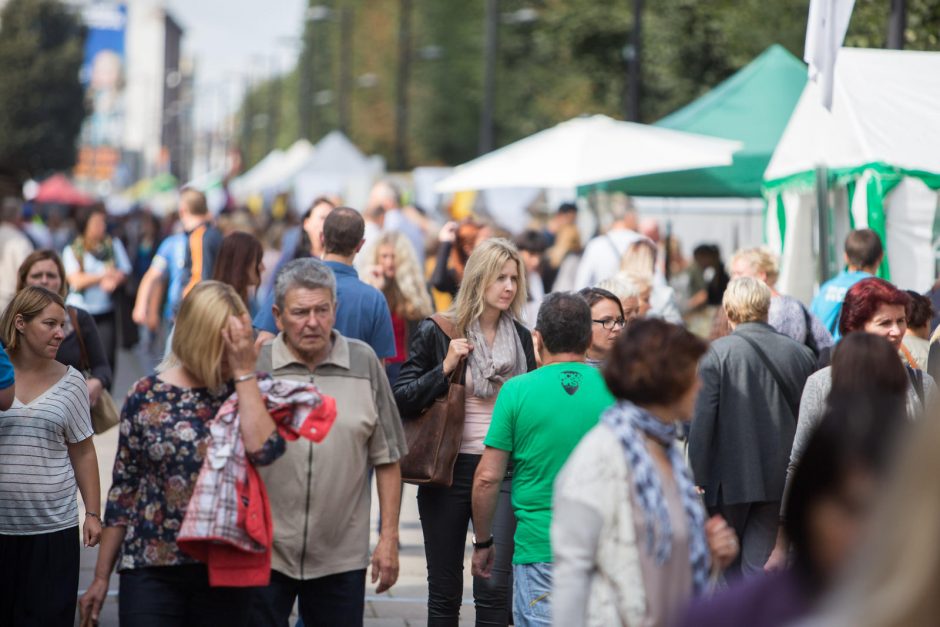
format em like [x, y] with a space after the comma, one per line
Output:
[629, 533]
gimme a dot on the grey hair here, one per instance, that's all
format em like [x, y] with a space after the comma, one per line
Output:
[747, 300]
[10, 209]
[309, 273]
[388, 190]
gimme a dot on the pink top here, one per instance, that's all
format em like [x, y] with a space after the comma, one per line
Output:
[478, 412]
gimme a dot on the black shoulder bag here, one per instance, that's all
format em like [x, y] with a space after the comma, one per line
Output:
[792, 403]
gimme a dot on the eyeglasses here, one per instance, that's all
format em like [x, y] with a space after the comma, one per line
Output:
[610, 324]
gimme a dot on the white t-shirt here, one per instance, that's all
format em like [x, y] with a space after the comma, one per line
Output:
[601, 257]
[14, 248]
[37, 483]
[93, 299]
[536, 290]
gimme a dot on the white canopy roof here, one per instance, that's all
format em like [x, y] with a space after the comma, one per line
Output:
[588, 150]
[884, 109]
[281, 174]
[336, 166]
[248, 182]
[336, 153]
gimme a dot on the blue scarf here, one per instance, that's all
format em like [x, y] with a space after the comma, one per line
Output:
[630, 423]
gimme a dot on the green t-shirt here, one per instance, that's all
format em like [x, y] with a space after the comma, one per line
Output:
[539, 418]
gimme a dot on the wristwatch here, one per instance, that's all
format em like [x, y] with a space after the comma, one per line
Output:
[482, 545]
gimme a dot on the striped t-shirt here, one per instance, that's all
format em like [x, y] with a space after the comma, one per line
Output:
[37, 483]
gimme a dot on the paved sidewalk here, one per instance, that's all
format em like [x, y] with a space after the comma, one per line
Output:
[404, 605]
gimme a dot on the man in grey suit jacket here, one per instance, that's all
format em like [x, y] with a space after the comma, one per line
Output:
[745, 419]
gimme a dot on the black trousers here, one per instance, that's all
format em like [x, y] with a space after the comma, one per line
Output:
[107, 331]
[180, 596]
[445, 515]
[39, 579]
[324, 602]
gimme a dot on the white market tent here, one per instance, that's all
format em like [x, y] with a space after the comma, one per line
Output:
[294, 159]
[333, 166]
[879, 145]
[280, 175]
[250, 182]
[336, 167]
[588, 150]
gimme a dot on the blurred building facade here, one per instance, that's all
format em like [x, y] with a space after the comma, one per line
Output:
[140, 94]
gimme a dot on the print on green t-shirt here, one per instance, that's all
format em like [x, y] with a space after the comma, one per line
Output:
[539, 418]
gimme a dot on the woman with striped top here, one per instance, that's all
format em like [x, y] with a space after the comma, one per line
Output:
[45, 450]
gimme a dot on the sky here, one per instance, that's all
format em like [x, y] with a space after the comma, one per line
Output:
[231, 40]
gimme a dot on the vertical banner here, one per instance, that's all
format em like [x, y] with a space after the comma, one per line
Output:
[103, 75]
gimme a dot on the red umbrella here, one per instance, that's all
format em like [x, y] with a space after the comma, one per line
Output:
[59, 191]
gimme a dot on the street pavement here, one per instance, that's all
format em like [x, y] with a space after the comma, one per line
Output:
[404, 605]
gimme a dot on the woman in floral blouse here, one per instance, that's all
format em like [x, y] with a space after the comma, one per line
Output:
[164, 435]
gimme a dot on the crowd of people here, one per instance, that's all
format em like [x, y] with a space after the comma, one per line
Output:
[633, 439]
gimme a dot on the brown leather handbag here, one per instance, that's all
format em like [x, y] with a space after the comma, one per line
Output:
[434, 437]
[104, 413]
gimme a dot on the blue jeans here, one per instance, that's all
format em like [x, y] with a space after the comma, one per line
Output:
[531, 600]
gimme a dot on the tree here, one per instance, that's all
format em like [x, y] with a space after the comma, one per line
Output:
[868, 28]
[42, 101]
[556, 59]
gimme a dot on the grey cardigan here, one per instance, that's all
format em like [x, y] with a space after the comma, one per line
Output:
[813, 407]
[743, 428]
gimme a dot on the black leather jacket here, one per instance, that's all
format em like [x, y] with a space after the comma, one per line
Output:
[422, 381]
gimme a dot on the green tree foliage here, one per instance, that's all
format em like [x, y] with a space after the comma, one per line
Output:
[689, 47]
[558, 59]
[41, 98]
[868, 28]
[270, 102]
[448, 77]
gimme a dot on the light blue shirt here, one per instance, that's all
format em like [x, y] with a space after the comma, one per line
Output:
[170, 260]
[93, 299]
[827, 306]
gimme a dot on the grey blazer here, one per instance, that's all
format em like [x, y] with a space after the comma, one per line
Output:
[742, 430]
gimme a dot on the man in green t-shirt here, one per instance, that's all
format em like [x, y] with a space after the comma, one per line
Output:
[538, 420]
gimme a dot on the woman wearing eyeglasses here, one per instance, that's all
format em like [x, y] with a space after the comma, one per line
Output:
[607, 323]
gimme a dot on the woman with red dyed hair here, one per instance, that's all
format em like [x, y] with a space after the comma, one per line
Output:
[871, 306]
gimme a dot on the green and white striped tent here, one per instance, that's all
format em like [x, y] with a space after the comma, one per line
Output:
[880, 150]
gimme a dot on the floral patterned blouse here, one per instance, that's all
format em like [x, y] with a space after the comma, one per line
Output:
[164, 435]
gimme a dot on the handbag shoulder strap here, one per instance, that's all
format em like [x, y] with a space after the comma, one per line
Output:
[792, 404]
[446, 325]
[73, 315]
[450, 330]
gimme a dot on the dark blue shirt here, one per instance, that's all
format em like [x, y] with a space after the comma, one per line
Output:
[361, 312]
